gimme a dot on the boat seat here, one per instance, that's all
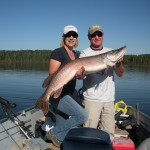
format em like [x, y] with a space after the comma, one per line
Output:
[145, 145]
[86, 139]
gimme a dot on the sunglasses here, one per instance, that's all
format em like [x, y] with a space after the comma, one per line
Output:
[99, 34]
[73, 34]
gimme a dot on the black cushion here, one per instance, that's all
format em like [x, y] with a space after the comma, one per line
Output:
[86, 139]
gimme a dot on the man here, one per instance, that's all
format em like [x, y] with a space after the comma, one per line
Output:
[99, 87]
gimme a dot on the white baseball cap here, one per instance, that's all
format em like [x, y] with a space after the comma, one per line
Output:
[70, 28]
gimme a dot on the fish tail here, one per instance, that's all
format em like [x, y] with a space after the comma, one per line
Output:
[43, 104]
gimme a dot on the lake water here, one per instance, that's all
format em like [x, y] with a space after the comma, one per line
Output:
[23, 87]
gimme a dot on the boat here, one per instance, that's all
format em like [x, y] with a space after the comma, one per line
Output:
[22, 130]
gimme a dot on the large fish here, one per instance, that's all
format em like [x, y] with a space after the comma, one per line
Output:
[67, 72]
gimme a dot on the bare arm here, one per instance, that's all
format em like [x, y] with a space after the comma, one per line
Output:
[53, 66]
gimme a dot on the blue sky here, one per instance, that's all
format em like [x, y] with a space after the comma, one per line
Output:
[38, 24]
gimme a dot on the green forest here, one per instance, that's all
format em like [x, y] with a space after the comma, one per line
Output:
[42, 56]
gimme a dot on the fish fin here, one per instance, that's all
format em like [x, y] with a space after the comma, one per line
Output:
[80, 74]
[46, 82]
[42, 104]
[57, 93]
[105, 71]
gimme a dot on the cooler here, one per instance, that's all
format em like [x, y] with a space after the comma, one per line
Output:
[121, 143]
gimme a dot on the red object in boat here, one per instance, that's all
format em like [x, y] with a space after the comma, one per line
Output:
[121, 143]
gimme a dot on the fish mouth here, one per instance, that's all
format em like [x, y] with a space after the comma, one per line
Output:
[115, 55]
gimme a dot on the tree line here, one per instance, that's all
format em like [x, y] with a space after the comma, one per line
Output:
[42, 56]
[143, 59]
[25, 56]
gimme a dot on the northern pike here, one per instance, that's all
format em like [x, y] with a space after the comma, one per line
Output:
[90, 64]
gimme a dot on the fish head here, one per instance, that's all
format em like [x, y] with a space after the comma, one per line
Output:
[114, 55]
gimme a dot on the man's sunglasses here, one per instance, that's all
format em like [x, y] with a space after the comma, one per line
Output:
[73, 34]
[99, 34]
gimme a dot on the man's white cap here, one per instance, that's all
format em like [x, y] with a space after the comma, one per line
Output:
[70, 28]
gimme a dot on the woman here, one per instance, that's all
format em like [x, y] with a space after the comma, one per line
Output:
[65, 102]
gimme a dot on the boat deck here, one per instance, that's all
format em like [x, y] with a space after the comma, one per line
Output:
[40, 146]
[49, 146]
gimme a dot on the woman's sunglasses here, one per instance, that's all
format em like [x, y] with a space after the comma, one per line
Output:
[99, 34]
[73, 34]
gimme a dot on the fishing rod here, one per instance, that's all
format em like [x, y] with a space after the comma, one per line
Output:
[6, 105]
[22, 130]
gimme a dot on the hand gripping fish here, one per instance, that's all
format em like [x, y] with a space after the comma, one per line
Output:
[90, 64]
